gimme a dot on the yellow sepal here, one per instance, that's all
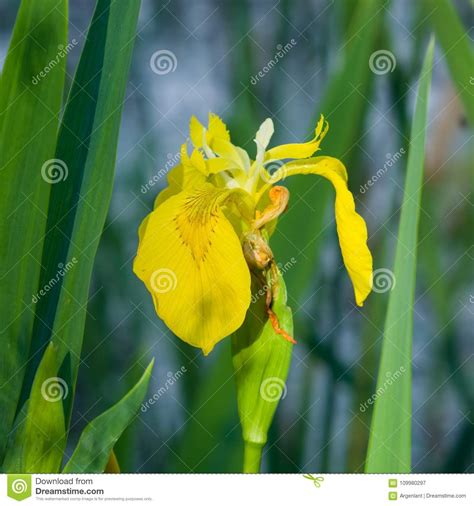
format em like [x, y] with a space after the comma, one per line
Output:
[191, 261]
[351, 227]
[181, 177]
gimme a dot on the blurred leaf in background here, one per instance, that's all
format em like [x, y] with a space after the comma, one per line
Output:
[82, 172]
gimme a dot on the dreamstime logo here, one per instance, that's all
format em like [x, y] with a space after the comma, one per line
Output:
[382, 62]
[54, 171]
[61, 272]
[391, 160]
[283, 268]
[19, 486]
[282, 51]
[172, 378]
[390, 379]
[269, 171]
[54, 389]
[163, 62]
[62, 53]
[172, 161]
[273, 389]
[163, 281]
[383, 280]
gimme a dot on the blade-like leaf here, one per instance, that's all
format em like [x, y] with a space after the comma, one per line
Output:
[299, 230]
[214, 416]
[29, 119]
[390, 433]
[87, 147]
[457, 48]
[99, 437]
[261, 359]
[40, 438]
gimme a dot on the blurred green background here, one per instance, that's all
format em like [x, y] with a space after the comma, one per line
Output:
[216, 50]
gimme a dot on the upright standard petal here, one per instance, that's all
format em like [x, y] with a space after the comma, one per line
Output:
[262, 139]
[197, 132]
[191, 261]
[216, 144]
[351, 227]
[218, 139]
[216, 129]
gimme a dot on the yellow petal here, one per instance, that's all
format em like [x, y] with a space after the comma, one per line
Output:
[216, 165]
[351, 227]
[196, 132]
[236, 157]
[206, 166]
[191, 261]
[218, 139]
[299, 150]
[215, 140]
[182, 176]
[262, 138]
[198, 162]
[217, 128]
[142, 228]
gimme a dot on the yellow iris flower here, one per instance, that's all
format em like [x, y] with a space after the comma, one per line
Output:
[209, 229]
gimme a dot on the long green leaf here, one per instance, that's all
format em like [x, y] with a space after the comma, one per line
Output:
[29, 117]
[40, 439]
[99, 437]
[209, 442]
[299, 231]
[390, 433]
[87, 147]
[457, 48]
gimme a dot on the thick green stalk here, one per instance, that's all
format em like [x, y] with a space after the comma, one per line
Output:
[252, 457]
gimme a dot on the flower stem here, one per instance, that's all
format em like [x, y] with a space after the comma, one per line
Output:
[252, 457]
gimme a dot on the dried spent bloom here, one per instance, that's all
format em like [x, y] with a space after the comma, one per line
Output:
[210, 227]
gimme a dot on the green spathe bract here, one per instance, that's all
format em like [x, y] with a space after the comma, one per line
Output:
[261, 360]
[390, 432]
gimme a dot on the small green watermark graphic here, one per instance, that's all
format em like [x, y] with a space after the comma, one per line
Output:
[19, 486]
[392, 483]
[392, 496]
[317, 480]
